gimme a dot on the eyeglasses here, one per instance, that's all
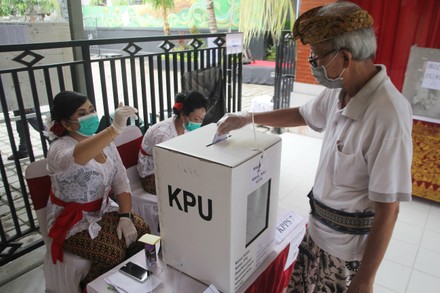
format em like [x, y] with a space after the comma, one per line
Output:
[313, 59]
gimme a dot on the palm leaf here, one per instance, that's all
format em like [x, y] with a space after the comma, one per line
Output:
[160, 4]
[258, 18]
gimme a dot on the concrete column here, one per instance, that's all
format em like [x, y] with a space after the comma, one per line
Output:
[77, 33]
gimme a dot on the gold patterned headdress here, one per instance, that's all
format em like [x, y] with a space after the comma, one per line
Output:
[312, 28]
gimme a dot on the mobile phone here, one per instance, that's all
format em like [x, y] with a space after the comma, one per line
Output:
[135, 271]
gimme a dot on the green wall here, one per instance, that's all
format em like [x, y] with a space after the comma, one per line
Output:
[185, 15]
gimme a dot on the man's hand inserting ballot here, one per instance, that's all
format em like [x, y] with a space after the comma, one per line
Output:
[233, 121]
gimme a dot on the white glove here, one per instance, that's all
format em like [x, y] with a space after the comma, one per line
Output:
[121, 115]
[127, 228]
[233, 121]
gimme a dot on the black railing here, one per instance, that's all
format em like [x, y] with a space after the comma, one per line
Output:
[146, 80]
[284, 71]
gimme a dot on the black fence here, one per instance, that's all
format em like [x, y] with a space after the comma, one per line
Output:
[35, 73]
[284, 71]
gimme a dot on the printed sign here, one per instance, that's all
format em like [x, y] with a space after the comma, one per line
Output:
[258, 173]
[431, 78]
[234, 43]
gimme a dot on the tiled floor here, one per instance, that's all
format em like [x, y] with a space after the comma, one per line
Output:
[412, 260]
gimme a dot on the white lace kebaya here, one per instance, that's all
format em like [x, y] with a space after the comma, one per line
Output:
[72, 182]
[156, 134]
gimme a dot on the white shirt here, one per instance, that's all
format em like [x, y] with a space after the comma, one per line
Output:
[159, 132]
[366, 156]
[72, 182]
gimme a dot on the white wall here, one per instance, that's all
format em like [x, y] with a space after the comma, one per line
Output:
[32, 32]
[302, 93]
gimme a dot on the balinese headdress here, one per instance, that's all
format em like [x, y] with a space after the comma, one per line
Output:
[312, 28]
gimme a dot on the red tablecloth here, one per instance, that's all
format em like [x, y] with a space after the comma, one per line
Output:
[275, 271]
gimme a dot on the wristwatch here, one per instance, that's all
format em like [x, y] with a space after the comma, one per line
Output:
[126, 215]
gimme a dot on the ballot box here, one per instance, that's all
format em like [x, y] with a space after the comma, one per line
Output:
[218, 203]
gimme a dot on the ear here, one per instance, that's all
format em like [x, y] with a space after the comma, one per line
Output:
[347, 57]
[66, 125]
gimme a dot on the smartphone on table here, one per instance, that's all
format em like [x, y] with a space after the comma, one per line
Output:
[135, 271]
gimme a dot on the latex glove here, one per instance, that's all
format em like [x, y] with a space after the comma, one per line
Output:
[121, 116]
[127, 228]
[233, 121]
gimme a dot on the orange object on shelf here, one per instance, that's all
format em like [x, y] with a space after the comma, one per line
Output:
[426, 160]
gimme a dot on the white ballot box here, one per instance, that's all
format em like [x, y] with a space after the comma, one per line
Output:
[218, 203]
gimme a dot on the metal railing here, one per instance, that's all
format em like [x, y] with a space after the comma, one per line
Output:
[284, 71]
[146, 80]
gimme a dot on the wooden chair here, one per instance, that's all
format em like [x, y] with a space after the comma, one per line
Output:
[60, 277]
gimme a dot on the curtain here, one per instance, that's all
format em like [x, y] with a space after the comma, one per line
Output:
[399, 24]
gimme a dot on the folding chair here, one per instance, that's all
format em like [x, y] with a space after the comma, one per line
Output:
[143, 203]
[63, 276]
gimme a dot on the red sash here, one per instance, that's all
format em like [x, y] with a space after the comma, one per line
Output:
[71, 215]
[143, 151]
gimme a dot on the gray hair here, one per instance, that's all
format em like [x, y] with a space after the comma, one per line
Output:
[361, 43]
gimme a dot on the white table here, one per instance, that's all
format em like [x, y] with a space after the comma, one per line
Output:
[175, 281]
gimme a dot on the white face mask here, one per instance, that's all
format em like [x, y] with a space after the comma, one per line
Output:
[320, 74]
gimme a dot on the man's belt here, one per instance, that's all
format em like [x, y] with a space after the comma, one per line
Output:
[349, 223]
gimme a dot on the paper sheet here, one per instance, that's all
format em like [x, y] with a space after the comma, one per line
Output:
[211, 289]
[149, 239]
[217, 138]
[291, 222]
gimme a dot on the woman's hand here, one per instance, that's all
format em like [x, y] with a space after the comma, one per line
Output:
[121, 115]
[127, 228]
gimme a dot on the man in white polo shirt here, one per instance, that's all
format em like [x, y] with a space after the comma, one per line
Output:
[365, 165]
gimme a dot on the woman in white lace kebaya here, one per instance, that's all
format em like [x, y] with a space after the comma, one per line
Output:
[85, 168]
[188, 112]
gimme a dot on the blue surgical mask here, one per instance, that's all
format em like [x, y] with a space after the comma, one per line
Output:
[89, 124]
[191, 125]
[320, 74]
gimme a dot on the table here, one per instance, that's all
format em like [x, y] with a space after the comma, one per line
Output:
[259, 72]
[270, 276]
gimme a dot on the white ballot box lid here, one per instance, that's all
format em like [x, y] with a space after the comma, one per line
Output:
[240, 146]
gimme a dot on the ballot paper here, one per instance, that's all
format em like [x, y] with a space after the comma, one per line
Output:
[211, 289]
[217, 138]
